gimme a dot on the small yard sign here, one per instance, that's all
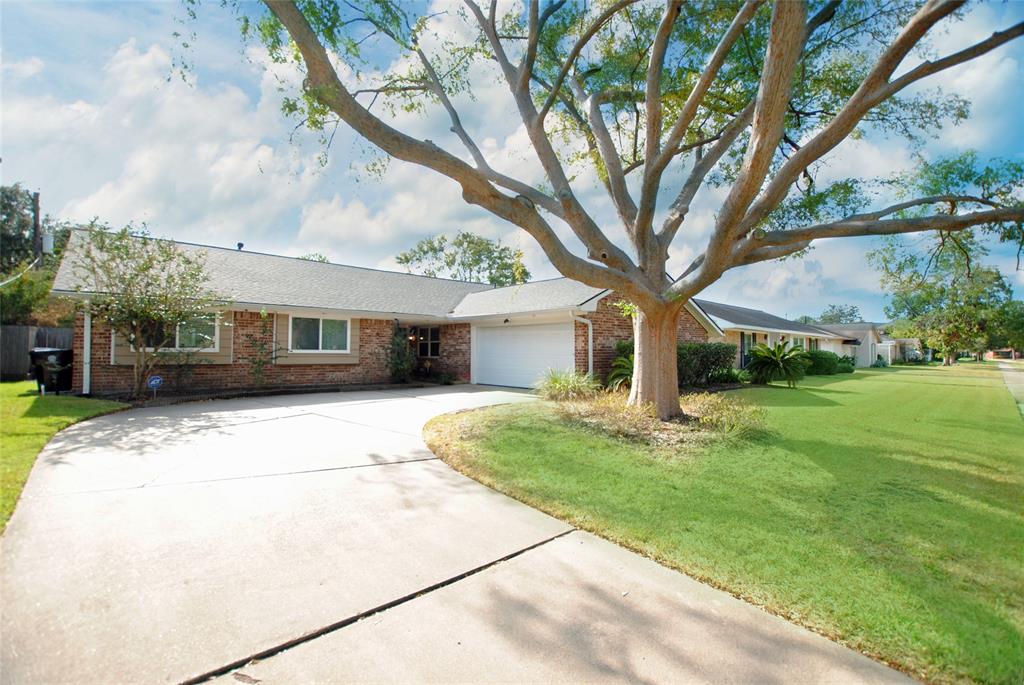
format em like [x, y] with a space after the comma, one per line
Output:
[155, 382]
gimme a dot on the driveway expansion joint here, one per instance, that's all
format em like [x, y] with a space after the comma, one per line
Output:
[355, 618]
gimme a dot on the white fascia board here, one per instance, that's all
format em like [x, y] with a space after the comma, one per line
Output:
[761, 329]
[704, 319]
[522, 318]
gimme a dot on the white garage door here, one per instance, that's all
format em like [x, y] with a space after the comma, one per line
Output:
[518, 356]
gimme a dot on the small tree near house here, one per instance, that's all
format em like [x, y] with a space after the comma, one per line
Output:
[150, 292]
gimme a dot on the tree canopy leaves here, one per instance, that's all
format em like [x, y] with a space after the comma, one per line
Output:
[944, 295]
[466, 257]
[143, 288]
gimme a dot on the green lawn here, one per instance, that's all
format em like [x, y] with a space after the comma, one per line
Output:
[27, 422]
[886, 510]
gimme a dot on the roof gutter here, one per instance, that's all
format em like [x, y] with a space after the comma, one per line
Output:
[786, 331]
[235, 304]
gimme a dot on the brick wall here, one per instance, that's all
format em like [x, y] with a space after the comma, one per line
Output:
[247, 331]
[455, 350]
[733, 338]
[580, 336]
[610, 326]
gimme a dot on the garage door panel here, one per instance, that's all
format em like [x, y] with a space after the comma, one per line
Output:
[518, 356]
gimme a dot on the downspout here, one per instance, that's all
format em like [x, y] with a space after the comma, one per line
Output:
[590, 341]
[87, 352]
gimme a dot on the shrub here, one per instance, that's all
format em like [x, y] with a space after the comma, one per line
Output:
[879, 363]
[783, 362]
[822, 363]
[725, 414]
[697, 361]
[728, 375]
[400, 359]
[621, 373]
[623, 348]
[849, 359]
[844, 367]
[567, 385]
[446, 378]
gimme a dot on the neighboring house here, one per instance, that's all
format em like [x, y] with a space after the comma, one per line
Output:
[746, 328]
[908, 349]
[866, 341]
[326, 324]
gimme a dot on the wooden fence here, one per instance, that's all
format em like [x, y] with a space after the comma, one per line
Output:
[16, 341]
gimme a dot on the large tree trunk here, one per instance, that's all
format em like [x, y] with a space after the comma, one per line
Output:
[655, 376]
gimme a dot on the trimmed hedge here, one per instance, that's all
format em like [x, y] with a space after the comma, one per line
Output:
[695, 362]
[822, 363]
[844, 367]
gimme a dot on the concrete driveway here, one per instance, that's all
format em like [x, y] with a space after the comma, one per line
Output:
[318, 535]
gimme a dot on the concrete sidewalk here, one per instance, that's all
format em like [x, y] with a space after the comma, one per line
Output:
[173, 543]
[1013, 376]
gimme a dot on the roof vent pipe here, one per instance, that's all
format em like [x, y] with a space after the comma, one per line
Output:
[241, 245]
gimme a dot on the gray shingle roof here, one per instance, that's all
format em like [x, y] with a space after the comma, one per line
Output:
[854, 331]
[259, 279]
[263, 279]
[556, 293]
[731, 316]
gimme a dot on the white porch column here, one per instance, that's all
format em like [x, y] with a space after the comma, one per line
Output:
[87, 352]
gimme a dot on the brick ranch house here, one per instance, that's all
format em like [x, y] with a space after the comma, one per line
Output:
[311, 324]
[746, 328]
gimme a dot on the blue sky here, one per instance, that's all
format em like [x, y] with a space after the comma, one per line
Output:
[94, 117]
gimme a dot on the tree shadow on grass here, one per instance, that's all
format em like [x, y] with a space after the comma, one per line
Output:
[916, 522]
[780, 396]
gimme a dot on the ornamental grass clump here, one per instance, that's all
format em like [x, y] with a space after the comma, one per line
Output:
[725, 414]
[567, 385]
[609, 413]
[707, 415]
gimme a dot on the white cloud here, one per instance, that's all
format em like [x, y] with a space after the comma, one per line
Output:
[22, 70]
[196, 162]
[990, 82]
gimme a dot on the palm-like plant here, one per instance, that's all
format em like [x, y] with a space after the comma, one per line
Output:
[783, 362]
[622, 372]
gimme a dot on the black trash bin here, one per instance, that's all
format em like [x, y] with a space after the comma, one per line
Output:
[51, 367]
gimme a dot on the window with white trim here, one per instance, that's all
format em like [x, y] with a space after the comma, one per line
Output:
[309, 334]
[200, 334]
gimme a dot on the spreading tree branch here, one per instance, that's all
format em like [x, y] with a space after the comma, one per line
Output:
[857, 226]
[599, 246]
[323, 84]
[570, 60]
